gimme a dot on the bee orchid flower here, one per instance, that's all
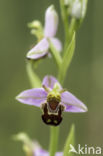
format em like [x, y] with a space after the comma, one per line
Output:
[52, 99]
[50, 28]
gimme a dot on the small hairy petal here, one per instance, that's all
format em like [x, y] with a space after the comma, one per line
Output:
[57, 43]
[72, 103]
[50, 81]
[35, 96]
[40, 50]
[51, 22]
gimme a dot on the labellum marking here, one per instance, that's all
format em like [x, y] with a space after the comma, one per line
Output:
[52, 119]
[52, 109]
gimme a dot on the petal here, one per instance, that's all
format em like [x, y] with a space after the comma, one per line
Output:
[51, 22]
[57, 43]
[40, 152]
[71, 103]
[59, 154]
[50, 81]
[34, 96]
[40, 50]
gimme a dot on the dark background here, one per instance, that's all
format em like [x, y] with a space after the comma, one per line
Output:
[84, 78]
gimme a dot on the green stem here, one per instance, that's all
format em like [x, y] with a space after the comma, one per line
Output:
[65, 19]
[72, 28]
[54, 134]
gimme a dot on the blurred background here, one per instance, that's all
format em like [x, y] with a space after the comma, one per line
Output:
[84, 78]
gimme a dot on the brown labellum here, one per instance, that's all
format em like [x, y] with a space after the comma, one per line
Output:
[50, 118]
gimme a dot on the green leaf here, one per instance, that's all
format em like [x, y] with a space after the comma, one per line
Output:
[69, 53]
[67, 58]
[56, 54]
[70, 140]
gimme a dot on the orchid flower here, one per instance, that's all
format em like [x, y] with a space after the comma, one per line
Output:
[32, 148]
[52, 99]
[51, 24]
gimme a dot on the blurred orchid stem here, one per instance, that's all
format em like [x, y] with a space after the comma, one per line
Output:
[65, 19]
[54, 134]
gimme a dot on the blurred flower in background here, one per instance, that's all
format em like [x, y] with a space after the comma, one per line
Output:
[77, 8]
[32, 148]
[43, 35]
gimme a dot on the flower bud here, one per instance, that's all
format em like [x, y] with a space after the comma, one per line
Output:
[36, 29]
[35, 24]
[68, 2]
[77, 8]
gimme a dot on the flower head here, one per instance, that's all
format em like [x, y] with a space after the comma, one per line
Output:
[52, 99]
[77, 8]
[32, 148]
[49, 32]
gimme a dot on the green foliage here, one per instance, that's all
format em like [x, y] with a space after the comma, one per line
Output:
[55, 54]
[67, 58]
[70, 140]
